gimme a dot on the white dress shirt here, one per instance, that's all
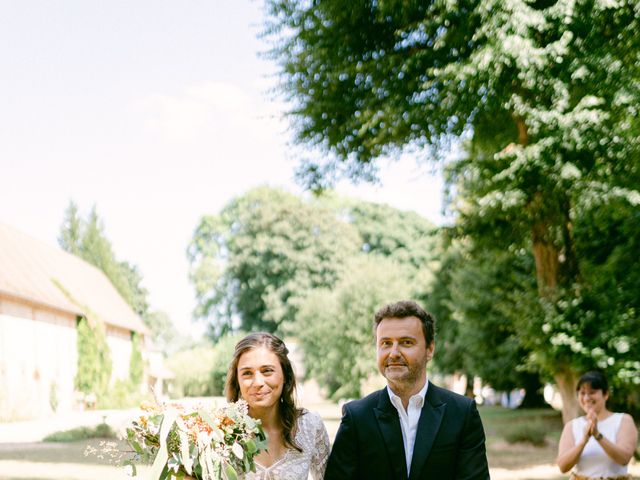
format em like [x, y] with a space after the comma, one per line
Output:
[409, 419]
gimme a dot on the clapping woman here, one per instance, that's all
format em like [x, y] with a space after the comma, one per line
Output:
[601, 443]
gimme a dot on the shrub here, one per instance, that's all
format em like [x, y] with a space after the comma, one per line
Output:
[527, 432]
[82, 433]
[202, 371]
[193, 371]
[94, 358]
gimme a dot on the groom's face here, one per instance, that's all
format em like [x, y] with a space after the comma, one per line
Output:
[402, 350]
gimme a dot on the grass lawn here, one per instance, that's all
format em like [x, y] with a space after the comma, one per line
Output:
[498, 423]
[508, 459]
[502, 423]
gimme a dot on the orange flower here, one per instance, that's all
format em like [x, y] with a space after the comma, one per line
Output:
[226, 421]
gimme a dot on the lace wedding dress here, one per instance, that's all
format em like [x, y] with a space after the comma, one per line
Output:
[312, 437]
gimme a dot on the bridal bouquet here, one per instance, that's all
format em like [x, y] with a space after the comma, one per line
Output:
[205, 443]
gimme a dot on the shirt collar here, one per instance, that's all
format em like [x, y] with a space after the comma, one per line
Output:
[417, 399]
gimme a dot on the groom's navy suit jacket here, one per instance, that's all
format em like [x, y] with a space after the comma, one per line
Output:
[450, 442]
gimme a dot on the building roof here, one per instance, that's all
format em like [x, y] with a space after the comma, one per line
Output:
[42, 274]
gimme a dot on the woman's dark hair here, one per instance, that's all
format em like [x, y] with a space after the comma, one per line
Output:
[595, 379]
[408, 308]
[289, 413]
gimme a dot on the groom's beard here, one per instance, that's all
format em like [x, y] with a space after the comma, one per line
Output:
[399, 371]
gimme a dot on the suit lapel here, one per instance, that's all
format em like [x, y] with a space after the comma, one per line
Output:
[428, 426]
[389, 425]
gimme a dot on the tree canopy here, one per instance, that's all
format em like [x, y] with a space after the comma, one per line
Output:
[86, 239]
[368, 78]
[543, 94]
[315, 269]
[335, 325]
[267, 249]
[482, 299]
[255, 260]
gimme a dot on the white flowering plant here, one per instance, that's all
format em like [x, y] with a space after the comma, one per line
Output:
[203, 443]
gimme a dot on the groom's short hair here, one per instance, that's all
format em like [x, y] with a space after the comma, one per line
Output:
[409, 308]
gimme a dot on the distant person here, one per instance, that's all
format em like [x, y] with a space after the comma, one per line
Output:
[411, 429]
[601, 443]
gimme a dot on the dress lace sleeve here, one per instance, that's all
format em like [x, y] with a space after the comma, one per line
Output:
[321, 451]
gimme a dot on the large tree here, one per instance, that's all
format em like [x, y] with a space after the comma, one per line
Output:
[267, 249]
[545, 93]
[257, 259]
[481, 298]
[335, 325]
[86, 238]
[403, 236]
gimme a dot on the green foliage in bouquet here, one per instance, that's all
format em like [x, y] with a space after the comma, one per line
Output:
[205, 443]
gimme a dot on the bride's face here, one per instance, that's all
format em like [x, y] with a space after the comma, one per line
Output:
[260, 378]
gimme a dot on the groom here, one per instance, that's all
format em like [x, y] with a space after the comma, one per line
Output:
[411, 429]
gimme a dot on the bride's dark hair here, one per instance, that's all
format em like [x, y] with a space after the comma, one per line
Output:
[289, 413]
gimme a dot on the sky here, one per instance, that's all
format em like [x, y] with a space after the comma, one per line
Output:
[156, 112]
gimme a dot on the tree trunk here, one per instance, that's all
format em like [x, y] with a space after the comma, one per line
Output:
[545, 254]
[547, 269]
[547, 259]
[566, 383]
[523, 133]
[533, 396]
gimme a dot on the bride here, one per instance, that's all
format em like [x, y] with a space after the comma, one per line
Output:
[262, 375]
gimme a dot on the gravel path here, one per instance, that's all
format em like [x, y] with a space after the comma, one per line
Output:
[21, 470]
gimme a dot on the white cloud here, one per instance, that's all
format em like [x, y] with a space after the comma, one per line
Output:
[206, 108]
